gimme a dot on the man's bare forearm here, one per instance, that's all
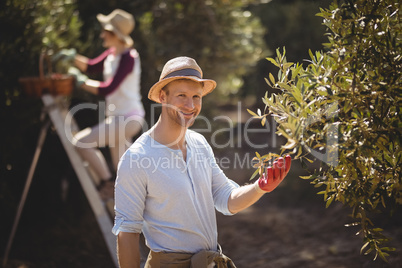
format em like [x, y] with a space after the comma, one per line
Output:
[128, 250]
[243, 197]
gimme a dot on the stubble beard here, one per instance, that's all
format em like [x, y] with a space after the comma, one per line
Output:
[180, 120]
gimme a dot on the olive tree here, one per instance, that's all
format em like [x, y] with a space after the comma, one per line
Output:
[343, 109]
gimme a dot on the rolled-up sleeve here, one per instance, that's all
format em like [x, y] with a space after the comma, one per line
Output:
[130, 193]
[222, 186]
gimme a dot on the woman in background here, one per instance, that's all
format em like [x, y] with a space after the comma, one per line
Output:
[121, 69]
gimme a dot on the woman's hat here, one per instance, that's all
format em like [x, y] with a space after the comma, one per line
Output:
[119, 22]
[180, 68]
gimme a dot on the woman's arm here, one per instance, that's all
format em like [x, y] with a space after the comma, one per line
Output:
[126, 66]
[92, 86]
[81, 62]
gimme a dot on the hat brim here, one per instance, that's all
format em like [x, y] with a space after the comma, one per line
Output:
[105, 22]
[209, 86]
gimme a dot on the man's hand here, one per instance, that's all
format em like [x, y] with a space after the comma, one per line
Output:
[274, 176]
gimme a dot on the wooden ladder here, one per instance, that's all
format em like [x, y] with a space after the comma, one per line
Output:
[65, 125]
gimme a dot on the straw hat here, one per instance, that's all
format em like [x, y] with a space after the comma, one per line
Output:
[180, 68]
[119, 22]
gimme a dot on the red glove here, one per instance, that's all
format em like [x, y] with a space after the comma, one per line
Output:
[274, 176]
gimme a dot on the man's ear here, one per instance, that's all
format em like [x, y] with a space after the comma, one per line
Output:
[162, 96]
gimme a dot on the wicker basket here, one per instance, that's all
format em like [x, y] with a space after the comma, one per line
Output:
[55, 84]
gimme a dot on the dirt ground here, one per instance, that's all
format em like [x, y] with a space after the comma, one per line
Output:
[287, 228]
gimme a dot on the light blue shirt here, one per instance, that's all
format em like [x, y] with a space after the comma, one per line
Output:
[170, 200]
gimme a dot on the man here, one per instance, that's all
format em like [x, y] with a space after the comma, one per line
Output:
[168, 183]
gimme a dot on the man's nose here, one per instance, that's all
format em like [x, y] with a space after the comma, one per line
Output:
[189, 103]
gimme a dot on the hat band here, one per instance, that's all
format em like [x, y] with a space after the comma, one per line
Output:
[184, 72]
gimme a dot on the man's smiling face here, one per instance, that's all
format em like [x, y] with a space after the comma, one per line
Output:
[183, 101]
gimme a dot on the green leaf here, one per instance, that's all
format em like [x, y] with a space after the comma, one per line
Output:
[383, 255]
[278, 54]
[267, 81]
[252, 113]
[311, 161]
[329, 201]
[377, 230]
[284, 86]
[290, 144]
[254, 174]
[287, 65]
[273, 62]
[271, 77]
[311, 54]
[388, 249]
[263, 121]
[300, 151]
[363, 247]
